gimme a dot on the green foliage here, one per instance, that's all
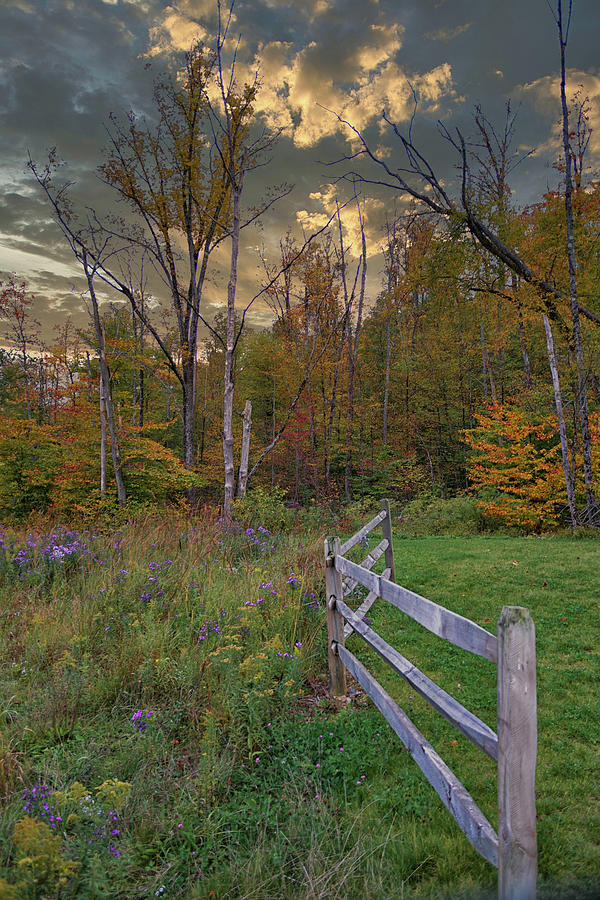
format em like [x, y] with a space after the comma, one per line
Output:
[153, 473]
[263, 506]
[433, 515]
[391, 475]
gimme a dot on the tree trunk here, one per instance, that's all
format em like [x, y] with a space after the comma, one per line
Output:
[313, 444]
[352, 357]
[102, 439]
[483, 366]
[582, 398]
[564, 447]
[333, 405]
[134, 387]
[386, 381]
[228, 463]
[523, 344]
[246, 428]
[105, 375]
[188, 409]
[89, 372]
[141, 398]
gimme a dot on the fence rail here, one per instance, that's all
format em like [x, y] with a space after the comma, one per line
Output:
[514, 849]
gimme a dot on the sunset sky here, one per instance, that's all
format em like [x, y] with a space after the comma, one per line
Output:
[67, 64]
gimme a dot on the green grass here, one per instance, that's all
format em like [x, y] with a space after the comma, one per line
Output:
[556, 579]
[238, 787]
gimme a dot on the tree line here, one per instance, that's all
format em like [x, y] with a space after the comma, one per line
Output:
[475, 368]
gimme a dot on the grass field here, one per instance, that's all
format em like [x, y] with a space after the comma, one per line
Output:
[554, 578]
[164, 728]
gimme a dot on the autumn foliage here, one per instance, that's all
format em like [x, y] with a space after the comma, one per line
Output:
[515, 468]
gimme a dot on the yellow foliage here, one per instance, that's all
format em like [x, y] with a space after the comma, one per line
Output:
[40, 858]
[114, 792]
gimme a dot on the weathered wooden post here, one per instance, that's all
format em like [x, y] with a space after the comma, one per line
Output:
[386, 527]
[517, 749]
[335, 622]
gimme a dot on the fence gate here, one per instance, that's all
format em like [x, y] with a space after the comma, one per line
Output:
[514, 849]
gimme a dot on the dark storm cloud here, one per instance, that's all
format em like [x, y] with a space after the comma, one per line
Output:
[67, 64]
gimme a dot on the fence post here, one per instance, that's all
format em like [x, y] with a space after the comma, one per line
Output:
[517, 749]
[386, 527]
[335, 622]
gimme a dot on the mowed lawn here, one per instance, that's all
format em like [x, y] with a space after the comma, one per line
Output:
[557, 579]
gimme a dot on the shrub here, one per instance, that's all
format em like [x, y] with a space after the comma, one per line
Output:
[431, 515]
[262, 506]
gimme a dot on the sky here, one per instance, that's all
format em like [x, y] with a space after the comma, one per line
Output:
[66, 65]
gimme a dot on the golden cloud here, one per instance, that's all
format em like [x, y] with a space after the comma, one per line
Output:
[302, 92]
[325, 203]
[178, 26]
[545, 94]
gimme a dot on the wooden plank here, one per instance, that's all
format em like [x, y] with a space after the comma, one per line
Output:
[356, 538]
[367, 563]
[441, 621]
[365, 606]
[517, 745]
[335, 623]
[386, 527]
[452, 793]
[455, 713]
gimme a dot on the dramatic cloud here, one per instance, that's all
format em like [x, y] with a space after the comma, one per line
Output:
[304, 92]
[544, 94]
[66, 65]
[177, 29]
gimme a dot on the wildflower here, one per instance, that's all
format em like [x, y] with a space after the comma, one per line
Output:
[138, 719]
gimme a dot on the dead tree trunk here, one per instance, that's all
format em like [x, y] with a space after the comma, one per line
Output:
[582, 397]
[105, 375]
[564, 446]
[352, 358]
[102, 439]
[228, 462]
[246, 428]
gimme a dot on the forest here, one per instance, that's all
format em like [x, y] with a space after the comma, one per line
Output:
[472, 373]
[460, 378]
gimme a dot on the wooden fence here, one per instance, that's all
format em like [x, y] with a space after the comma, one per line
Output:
[514, 849]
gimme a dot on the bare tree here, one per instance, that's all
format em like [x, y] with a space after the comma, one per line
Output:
[105, 393]
[564, 446]
[353, 339]
[582, 386]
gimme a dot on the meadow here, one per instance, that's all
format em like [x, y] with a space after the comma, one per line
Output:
[165, 728]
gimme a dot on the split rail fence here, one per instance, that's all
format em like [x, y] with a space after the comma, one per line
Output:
[513, 851]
